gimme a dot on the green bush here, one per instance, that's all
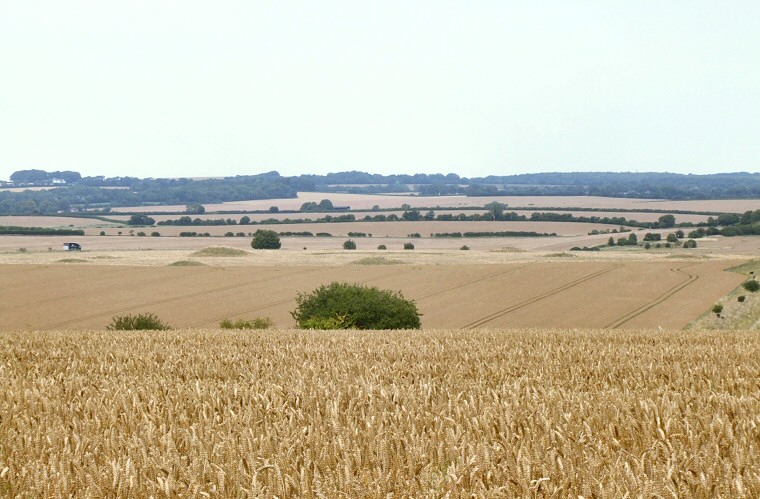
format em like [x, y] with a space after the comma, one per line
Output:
[337, 322]
[741, 298]
[382, 247]
[408, 246]
[717, 309]
[751, 285]
[357, 306]
[265, 239]
[349, 245]
[137, 322]
[464, 248]
[257, 323]
[155, 234]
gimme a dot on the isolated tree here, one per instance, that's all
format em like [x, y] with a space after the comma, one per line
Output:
[325, 205]
[196, 209]
[140, 220]
[672, 238]
[349, 245]
[666, 221]
[265, 239]
[611, 241]
[495, 209]
[752, 286]
[411, 215]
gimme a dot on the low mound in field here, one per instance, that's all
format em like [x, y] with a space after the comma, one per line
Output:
[377, 260]
[219, 251]
[187, 263]
[72, 260]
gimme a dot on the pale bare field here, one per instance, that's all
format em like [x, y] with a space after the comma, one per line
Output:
[526, 291]
[62, 222]
[367, 201]
[491, 413]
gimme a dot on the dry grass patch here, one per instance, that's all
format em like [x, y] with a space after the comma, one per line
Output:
[72, 260]
[517, 413]
[507, 249]
[215, 251]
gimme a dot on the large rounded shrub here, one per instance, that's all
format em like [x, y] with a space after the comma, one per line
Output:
[265, 239]
[341, 305]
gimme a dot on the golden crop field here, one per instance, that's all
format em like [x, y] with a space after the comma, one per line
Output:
[526, 293]
[491, 413]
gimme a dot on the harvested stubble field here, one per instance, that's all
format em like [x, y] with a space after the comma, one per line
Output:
[525, 293]
[499, 413]
[368, 201]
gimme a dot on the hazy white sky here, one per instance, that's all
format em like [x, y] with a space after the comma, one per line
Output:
[185, 88]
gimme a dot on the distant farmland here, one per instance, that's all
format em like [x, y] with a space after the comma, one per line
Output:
[528, 294]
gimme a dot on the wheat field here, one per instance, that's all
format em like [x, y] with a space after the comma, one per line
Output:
[489, 413]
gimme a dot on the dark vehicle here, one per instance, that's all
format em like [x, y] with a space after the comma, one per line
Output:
[72, 246]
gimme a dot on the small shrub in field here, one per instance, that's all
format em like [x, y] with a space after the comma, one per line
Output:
[354, 306]
[751, 286]
[141, 234]
[257, 323]
[741, 298]
[155, 234]
[349, 245]
[137, 322]
[464, 248]
[102, 233]
[22, 250]
[382, 247]
[408, 246]
[717, 309]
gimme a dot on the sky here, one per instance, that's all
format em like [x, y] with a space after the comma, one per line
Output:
[190, 89]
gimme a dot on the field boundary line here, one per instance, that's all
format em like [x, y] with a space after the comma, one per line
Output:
[529, 301]
[690, 279]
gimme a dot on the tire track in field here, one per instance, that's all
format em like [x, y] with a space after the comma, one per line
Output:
[690, 279]
[282, 302]
[175, 298]
[461, 285]
[529, 301]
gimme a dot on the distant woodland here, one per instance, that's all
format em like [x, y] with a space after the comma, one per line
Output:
[70, 192]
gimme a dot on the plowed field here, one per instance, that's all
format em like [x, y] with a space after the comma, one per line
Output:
[609, 294]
